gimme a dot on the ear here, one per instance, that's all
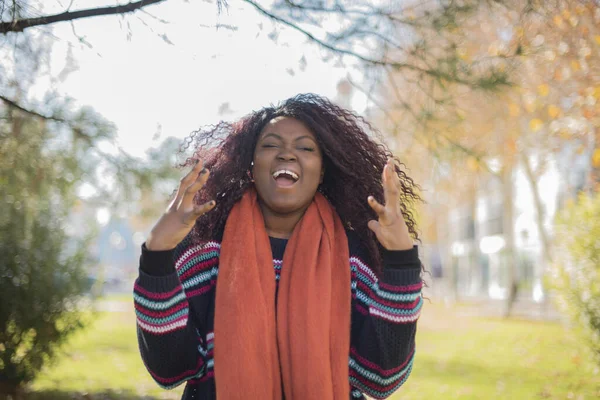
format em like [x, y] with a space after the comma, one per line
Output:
[322, 175]
[250, 172]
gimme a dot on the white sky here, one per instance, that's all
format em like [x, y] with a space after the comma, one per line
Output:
[144, 82]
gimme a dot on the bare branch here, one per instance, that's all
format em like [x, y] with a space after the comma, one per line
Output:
[479, 157]
[339, 9]
[332, 48]
[430, 71]
[18, 25]
[13, 104]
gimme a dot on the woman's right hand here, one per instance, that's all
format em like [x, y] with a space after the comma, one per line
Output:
[180, 217]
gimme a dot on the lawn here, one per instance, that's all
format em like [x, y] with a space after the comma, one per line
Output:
[458, 357]
[465, 357]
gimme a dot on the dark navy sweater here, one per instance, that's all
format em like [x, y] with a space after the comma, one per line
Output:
[175, 305]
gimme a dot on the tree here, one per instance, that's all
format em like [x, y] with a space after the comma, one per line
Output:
[574, 274]
[549, 110]
[46, 153]
[64, 139]
[42, 269]
[377, 38]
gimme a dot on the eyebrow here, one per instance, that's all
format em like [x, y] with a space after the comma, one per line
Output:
[280, 138]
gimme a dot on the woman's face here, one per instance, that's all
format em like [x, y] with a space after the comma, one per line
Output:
[288, 165]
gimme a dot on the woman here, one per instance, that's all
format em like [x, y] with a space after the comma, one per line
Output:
[304, 219]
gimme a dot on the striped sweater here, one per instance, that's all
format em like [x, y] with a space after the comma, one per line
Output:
[175, 302]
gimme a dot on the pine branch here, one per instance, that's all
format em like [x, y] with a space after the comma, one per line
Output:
[19, 25]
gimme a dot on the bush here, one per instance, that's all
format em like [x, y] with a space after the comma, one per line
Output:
[575, 274]
[41, 267]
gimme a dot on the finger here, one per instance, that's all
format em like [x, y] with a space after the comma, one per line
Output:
[377, 207]
[192, 189]
[204, 208]
[391, 187]
[375, 227]
[190, 177]
[199, 211]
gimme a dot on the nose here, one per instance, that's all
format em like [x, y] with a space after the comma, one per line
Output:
[286, 155]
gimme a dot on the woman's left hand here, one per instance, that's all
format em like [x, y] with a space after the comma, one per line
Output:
[391, 229]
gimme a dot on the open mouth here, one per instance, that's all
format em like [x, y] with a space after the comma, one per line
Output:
[285, 178]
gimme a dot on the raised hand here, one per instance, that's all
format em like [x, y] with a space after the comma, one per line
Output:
[390, 229]
[179, 219]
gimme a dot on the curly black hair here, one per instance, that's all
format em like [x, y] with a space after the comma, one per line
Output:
[353, 156]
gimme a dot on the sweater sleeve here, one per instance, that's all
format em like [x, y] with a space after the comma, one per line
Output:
[172, 344]
[384, 322]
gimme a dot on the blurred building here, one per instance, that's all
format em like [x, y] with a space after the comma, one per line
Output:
[117, 254]
[114, 250]
[472, 250]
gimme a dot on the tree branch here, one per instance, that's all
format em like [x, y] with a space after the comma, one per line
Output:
[438, 74]
[339, 9]
[334, 49]
[13, 104]
[19, 25]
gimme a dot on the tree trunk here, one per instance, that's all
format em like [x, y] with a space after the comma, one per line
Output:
[540, 216]
[509, 235]
[10, 390]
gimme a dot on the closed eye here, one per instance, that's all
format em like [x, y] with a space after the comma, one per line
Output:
[307, 149]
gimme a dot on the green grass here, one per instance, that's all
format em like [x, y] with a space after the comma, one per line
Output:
[103, 359]
[458, 357]
[463, 357]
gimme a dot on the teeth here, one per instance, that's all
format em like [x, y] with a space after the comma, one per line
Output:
[287, 172]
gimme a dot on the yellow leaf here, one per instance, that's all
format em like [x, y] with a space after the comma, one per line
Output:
[543, 90]
[536, 124]
[588, 91]
[597, 39]
[575, 65]
[463, 54]
[513, 110]
[519, 31]
[511, 145]
[596, 158]
[573, 21]
[596, 93]
[566, 13]
[530, 107]
[558, 75]
[473, 164]
[553, 111]
[558, 21]
[570, 202]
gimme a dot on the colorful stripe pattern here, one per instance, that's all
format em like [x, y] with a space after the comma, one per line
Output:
[209, 359]
[375, 381]
[277, 265]
[162, 314]
[395, 304]
[197, 268]
[392, 304]
[173, 382]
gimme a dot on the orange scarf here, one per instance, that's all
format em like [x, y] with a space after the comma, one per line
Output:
[304, 344]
